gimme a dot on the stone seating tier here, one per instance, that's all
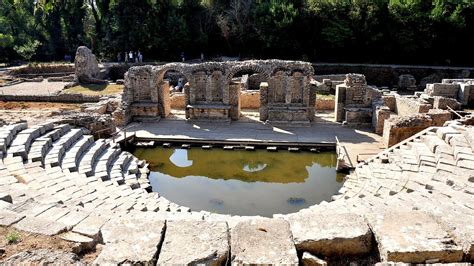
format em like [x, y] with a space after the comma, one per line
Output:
[411, 203]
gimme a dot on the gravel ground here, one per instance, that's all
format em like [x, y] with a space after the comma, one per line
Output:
[33, 88]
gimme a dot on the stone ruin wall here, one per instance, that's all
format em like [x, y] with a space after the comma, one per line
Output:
[210, 92]
[395, 116]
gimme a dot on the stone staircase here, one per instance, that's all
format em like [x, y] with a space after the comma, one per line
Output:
[412, 203]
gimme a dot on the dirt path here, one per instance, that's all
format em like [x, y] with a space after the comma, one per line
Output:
[33, 112]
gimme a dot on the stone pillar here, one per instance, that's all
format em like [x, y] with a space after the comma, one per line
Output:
[234, 93]
[340, 103]
[381, 113]
[263, 101]
[187, 99]
[164, 102]
[311, 100]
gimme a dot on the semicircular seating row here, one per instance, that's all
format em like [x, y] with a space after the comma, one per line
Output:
[56, 179]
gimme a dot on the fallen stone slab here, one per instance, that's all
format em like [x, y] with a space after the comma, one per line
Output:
[195, 242]
[82, 243]
[40, 226]
[263, 241]
[131, 240]
[413, 237]
[7, 218]
[310, 260]
[331, 234]
[43, 257]
[91, 226]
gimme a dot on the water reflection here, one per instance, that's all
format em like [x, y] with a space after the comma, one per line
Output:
[180, 158]
[241, 182]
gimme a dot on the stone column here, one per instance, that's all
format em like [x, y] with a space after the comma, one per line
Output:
[164, 102]
[340, 103]
[311, 99]
[234, 93]
[187, 99]
[263, 101]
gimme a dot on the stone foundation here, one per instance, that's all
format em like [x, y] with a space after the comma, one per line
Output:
[400, 128]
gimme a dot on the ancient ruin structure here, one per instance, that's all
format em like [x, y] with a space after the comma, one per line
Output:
[86, 67]
[211, 93]
[354, 101]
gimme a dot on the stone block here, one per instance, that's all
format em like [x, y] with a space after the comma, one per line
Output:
[439, 116]
[449, 90]
[310, 260]
[413, 237]
[263, 241]
[397, 129]
[40, 226]
[331, 234]
[443, 103]
[131, 239]
[407, 81]
[195, 242]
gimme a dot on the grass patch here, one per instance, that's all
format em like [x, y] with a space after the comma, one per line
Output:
[12, 237]
[325, 96]
[94, 89]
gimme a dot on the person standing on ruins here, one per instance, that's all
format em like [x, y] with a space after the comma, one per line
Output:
[126, 57]
[140, 57]
[130, 55]
[118, 57]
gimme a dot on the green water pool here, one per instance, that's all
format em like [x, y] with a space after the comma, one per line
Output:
[242, 182]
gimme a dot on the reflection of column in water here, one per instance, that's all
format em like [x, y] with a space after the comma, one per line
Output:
[251, 169]
[180, 158]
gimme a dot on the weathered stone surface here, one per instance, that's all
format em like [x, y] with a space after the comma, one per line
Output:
[400, 128]
[331, 234]
[195, 242]
[6, 197]
[8, 218]
[443, 103]
[131, 240]
[40, 226]
[310, 260]
[263, 241]
[82, 243]
[407, 81]
[86, 66]
[413, 236]
[43, 257]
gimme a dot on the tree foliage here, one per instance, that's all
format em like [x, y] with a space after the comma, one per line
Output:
[377, 31]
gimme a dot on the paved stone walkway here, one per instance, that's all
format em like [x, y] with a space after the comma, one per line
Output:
[249, 129]
[33, 88]
[411, 203]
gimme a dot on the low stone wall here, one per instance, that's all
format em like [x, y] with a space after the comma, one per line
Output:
[407, 106]
[62, 98]
[250, 100]
[325, 104]
[177, 100]
[399, 128]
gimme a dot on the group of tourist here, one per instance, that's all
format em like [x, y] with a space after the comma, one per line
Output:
[132, 57]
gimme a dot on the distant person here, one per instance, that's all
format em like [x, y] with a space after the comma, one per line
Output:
[183, 58]
[136, 57]
[202, 57]
[180, 85]
[140, 57]
[118, 57]
[126, 57]
[130, 56]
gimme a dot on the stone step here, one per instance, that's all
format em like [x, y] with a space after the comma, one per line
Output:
[42, 144]
[22, 142]
[56, 153]
[104, 163]
[89, 157]
[72, 155]
[8, 133]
